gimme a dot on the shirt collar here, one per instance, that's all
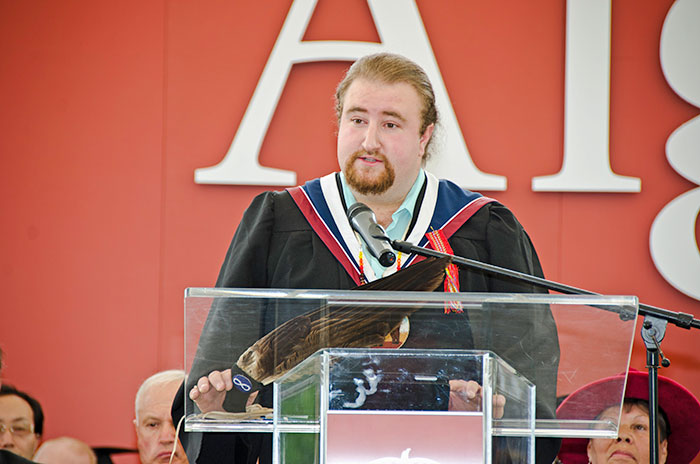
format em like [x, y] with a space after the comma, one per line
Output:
[400, 220]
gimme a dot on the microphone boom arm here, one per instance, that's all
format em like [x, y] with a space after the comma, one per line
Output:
[683, 320]
[653, 329]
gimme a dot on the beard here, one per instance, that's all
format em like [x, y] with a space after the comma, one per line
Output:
[372, 186]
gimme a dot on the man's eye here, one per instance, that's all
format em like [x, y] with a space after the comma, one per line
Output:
[641, 427]
[152, 424]
[17, 429]
[391, 125]
[356, 120]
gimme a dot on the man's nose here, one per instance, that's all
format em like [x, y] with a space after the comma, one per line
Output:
[371, 141]
[6, 440]
[167, 434]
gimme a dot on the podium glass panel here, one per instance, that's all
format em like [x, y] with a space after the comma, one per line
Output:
[558, 342]
[377, 405]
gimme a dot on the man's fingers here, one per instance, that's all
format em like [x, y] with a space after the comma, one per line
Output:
[251, 398]
[473, 389]
[469, 390]
[499, 404]
[210, 390]
[217, 381]
[203, 385]
[221, 380]
[228, 380]
[466, 396]
[499, 401]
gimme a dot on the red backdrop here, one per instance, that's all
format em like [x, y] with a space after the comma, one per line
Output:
[108, 108]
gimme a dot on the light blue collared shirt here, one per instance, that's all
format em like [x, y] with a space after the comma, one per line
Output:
[400, 220]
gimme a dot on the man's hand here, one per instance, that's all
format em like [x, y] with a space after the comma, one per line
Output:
[210, 391]
[466, 396]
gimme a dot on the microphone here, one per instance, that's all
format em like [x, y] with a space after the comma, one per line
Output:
[364, 222]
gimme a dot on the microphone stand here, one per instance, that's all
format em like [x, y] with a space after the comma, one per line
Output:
[653, 328]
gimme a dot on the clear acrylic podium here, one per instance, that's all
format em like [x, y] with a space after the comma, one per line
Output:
[394, 403]
[337, 376]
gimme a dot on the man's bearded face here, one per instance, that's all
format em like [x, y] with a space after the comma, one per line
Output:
[362, 180]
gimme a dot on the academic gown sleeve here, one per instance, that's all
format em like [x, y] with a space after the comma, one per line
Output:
[273, 247]
[243, 266]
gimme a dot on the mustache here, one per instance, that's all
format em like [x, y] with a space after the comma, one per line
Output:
[366, 154]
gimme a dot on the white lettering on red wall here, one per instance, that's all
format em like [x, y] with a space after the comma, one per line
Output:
[672, 240]
[586, 163]
[586, 157]
[401, 30]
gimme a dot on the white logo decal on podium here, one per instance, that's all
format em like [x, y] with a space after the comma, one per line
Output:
[362, 391]
[404, 459]
[401, 30]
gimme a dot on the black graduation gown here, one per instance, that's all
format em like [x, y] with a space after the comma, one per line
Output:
[275, 247]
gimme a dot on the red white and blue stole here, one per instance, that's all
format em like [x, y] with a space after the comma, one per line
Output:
[444, 209]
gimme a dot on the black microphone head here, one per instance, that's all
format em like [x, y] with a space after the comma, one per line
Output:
[364, 222]
[358, 208]
[387, 258]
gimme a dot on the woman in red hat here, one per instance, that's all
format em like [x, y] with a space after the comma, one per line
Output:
[678, 424]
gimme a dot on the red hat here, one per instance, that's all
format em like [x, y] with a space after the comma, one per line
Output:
[680, 406]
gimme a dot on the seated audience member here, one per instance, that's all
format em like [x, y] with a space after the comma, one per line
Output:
[21, 422]
[65, 450]
[8, 457]
[679, 410]
[154, 425]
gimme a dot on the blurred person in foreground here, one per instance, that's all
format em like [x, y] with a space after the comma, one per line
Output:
[10, 432]
[679, 416]
[65, 450]
[155, 431]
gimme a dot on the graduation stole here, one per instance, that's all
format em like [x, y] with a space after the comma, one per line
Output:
[439, 242]
[444, 209]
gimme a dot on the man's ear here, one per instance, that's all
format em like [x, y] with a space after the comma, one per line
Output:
[663, 451]
[425, 138]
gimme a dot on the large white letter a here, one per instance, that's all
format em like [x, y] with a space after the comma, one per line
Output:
[401, 30]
